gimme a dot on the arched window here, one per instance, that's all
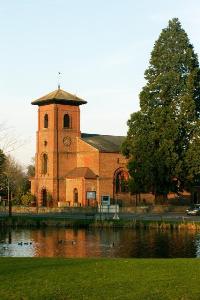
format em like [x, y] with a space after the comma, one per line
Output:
[121, 182]
[46, 121]
[66, 121]
[44, 163]
[75, 195]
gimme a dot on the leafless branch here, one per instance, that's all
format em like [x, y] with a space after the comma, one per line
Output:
[9, 141]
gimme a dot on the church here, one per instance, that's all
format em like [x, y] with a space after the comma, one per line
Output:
[74, 168]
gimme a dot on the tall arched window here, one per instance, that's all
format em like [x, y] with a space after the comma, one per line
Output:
[44, 163]
[121, 182]
[66, 121]
[75, 195]
[46, 121]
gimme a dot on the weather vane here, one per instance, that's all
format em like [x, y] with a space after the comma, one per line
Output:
[59, 75]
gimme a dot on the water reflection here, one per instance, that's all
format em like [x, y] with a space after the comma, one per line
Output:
[99, 243]
[16, 243]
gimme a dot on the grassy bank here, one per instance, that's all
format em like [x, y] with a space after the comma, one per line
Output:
[40, 222]
[56, 279]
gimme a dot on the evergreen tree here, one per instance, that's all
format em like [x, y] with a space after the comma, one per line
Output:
[160, 136]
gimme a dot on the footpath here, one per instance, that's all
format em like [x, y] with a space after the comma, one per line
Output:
[126, 216]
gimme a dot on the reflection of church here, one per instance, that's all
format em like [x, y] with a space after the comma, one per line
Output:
[74, 168]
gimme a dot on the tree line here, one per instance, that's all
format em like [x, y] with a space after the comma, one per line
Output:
[14, 181]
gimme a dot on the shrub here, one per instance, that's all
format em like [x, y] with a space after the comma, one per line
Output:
[28, 199]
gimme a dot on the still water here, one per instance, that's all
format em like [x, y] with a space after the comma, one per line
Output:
[99, 243]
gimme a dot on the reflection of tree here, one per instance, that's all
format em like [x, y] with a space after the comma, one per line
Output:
[155, 243]
[9, 243]
[197, 245]
[3, 234]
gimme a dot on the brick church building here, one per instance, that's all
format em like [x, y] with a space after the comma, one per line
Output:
[74, 168]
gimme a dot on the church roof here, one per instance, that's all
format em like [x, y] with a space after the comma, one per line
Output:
[59, 96]
[84, 172]
[104, 143]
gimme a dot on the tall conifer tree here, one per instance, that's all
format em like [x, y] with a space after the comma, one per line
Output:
[160, 140]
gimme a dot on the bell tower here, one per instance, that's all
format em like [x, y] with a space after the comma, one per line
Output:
[56, 145]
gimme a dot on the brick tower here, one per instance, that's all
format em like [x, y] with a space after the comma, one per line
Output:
[56, 146]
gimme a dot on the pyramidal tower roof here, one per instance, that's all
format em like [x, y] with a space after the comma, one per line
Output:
[59, 97]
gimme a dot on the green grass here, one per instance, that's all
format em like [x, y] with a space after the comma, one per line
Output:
[54, 278]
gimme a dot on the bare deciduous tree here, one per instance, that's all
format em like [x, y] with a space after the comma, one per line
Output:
[9, 141]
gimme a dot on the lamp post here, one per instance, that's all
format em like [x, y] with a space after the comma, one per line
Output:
[9, 200]
[8, 195]
[116, 217]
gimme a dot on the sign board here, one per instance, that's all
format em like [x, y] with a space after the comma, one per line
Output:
[91, 195]
[108, 209]
[105, 200]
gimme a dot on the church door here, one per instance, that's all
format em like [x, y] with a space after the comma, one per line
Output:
[44, 197]
[75, 197]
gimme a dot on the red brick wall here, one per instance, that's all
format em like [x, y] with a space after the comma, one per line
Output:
[87, 156]
[61, 158]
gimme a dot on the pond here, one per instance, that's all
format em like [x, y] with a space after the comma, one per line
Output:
[61, 242]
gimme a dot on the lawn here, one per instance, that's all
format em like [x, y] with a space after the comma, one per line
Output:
[57, 278]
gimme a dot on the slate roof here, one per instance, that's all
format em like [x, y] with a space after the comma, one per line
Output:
[84, 172]
[59, 96]
[104, 143]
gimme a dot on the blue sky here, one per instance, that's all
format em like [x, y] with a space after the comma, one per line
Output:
[102, 49]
